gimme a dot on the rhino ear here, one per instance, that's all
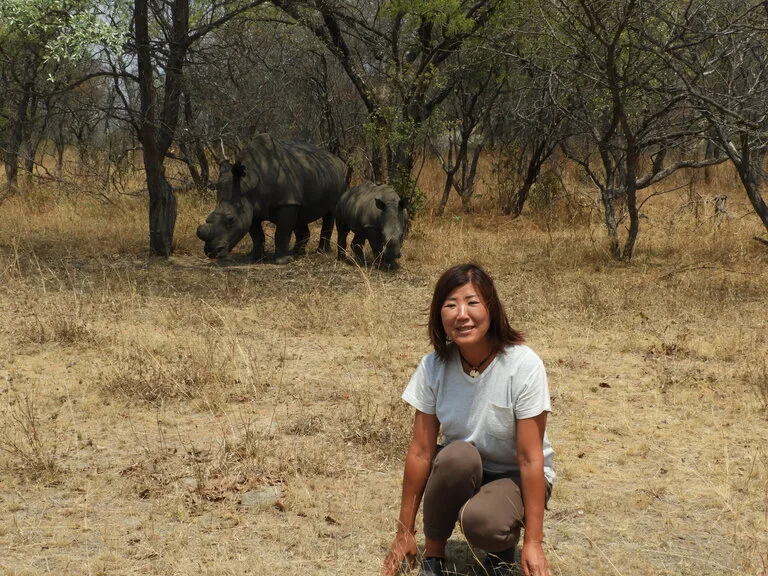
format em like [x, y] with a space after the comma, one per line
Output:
[380, 204]
[238, 170]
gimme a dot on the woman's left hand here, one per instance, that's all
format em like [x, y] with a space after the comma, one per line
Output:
[533, 560]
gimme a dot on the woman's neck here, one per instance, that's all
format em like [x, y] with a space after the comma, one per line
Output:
[477, 354]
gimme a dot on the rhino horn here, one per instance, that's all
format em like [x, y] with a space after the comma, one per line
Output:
[204, 232]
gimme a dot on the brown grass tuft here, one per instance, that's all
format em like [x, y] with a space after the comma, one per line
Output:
[756, 375]
[140, 374]
[28, 439]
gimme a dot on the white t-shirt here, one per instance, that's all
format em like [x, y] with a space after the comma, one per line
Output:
[483, 410]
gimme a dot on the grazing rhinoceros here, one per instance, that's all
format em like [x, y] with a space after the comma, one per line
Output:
[374, 213]
[288, 183]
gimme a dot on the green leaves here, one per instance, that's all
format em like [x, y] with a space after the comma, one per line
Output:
[62, 30]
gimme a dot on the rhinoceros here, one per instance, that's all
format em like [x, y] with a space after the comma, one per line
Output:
[373, 212]
[288, 183]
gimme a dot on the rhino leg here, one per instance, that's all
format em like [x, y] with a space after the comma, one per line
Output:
[285, 222]
[257, 238]
[325, 233]
[358, 240]
[302, 239]
[342, 230]
[377, 245]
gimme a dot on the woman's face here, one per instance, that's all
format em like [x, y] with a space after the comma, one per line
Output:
[465, 316]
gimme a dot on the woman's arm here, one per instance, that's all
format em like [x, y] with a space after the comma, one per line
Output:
[530, 459]
[418, 462]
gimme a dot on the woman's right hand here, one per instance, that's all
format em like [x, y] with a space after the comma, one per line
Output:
[403, 548]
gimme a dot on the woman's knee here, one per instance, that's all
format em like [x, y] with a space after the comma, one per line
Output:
[458, 460]
[492, 519]
[485, 531]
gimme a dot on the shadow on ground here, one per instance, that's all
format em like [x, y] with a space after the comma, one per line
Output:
[462, 560]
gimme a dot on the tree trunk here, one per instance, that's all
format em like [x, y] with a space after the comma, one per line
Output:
[156, 139]
[200, 176]
[710, 151]
[450, 172]
[749, 166]
[609, 205]
[469, 177]
[378, 129]
[16, 136]
[184, 146]
[633, 157]
[334, 140]
[466, 202]
[162, 201]
[750, 178]
[58, 144]
[446, 193]
[29, 142]
[517, 202]
[400, 160]
[193, 172]
[202, 159]
[467, 186]
[162, 216]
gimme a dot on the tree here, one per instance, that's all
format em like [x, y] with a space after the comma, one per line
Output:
[401, 60]
[722, 59]
[157, 123]
[255, 75]
[470, 106]
[529, 121]
[41, 43]
[624, 99]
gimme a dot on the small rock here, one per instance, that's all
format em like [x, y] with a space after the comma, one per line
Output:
[261, 499]
[188, 482]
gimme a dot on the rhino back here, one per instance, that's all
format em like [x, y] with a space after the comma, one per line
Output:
[292, 173]
[357, 206]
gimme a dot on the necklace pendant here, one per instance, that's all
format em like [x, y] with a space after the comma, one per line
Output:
[474, 373]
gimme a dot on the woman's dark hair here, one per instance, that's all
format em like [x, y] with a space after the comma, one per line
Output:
[500, 333]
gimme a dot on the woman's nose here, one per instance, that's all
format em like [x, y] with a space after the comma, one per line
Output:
[461, 311]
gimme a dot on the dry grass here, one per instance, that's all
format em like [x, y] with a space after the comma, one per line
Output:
[143, 399]
[27, 440]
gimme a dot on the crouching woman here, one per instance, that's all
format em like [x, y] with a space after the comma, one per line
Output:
[486, 394]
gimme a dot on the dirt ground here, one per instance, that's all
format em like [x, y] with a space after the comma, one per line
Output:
[190, 417]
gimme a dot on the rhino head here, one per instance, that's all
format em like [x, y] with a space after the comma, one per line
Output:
[394, 225]
[232, 217]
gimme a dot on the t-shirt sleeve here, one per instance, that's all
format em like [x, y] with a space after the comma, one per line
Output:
[420, 392]
[534, 396]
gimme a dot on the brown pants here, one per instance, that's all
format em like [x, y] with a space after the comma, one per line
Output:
[489, 510]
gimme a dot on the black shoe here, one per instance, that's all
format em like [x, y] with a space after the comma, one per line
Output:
[500, 563]
[432, 566]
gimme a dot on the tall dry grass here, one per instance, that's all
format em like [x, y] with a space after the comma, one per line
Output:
[147, 402]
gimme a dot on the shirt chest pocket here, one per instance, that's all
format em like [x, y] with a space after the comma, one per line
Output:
[500, 421]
